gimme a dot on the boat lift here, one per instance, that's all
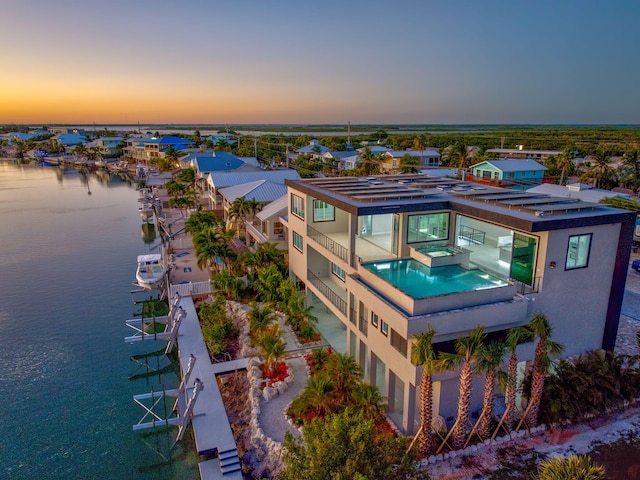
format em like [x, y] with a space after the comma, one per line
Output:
[156, 409]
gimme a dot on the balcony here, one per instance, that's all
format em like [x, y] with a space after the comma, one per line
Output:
[329, 244]
[334, 297]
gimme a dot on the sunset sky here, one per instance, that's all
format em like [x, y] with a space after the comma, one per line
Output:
[298, 61]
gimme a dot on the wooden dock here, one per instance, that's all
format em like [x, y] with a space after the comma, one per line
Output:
[211, 427]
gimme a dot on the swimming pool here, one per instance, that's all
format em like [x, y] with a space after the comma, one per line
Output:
[419, 281]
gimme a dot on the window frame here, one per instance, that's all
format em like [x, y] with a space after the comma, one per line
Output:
[588, 253]
[298, 212]
[333, 212]
[375, 319]
[384, 328]
[420, 240]
[295, 236]
[335, 267]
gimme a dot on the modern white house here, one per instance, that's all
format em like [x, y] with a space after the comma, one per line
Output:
[385, 257]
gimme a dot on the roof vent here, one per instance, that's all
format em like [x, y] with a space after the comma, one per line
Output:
[539, 213]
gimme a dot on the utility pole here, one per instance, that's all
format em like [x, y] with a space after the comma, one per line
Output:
[287, 155]
[255, 147]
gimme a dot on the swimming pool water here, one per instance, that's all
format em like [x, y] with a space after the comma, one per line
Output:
[418, 280]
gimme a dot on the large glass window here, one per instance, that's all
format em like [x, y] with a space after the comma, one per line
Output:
[398, 342]
[338, 272]
[578, 251]
[323, 212]
[428, 227]
[523, 258]
[297, 206]
[297, 240]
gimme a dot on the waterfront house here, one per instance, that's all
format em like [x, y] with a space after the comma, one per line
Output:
[386, 257]
[215, 181]
[108, 147]
[268, 224]
[263, 192]
[145, 149]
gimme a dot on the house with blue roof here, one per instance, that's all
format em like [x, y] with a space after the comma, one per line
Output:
[512, 173]
[214, 161]
[315, 149]
[13, 137]
[144, 149]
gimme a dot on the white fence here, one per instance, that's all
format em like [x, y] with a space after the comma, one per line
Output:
[191, 288]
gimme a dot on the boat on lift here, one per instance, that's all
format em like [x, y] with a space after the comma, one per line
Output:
[150, 270]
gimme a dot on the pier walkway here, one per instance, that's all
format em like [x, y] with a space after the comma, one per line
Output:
[211, 427]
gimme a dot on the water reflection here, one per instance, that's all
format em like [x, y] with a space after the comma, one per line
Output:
[148, 232]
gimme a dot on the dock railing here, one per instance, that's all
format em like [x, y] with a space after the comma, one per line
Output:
[191, 288]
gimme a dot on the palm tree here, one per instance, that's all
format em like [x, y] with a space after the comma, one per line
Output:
[542, 329]
[409, 164]
[573, 467]
[460, 155]
[211, 243]
[423, 354]
[200, 219]
[565, 162]
[228, 284]
[272, 344]
[600, 171]
[370, 164]
[344, 372]
[489, 361]
[368, 399]
[515, 336]
[260, 317]
[238, 211]
[317, 393]
[171, 156]
[465, 357]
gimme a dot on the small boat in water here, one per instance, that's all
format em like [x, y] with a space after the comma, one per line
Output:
[150, 271]
[146, 211]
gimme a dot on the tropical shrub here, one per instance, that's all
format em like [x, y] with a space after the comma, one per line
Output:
[574, 467]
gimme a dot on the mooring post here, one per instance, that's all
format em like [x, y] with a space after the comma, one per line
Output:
[198, 386]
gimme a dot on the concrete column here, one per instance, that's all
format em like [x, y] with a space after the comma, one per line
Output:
[390, 385]
[408, 418]
[353, 232]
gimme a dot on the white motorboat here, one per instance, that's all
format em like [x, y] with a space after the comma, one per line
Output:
[150, 271]
[146, 211]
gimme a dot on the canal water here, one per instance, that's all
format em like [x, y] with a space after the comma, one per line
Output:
[68, 245]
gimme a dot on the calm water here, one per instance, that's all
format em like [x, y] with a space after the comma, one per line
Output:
[67, 260]
[418, 280]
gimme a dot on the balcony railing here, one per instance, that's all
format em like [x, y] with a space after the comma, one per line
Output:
[332, 246]
[329, 294]
[524, 289]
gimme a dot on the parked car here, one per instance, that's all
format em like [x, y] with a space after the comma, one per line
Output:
[636, 265]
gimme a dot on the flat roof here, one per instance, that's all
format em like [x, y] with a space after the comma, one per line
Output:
[523, 210]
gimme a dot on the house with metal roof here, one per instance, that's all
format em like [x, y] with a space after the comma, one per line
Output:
[262, 192]
[268, 224]
[384, 258]
[215, 181]
[215, 161]
[508, 173]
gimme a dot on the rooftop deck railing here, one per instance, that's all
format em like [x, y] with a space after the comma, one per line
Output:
[328, 293]
[334, 247]
[525, 289]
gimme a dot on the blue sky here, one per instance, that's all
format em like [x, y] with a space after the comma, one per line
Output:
[320, 62]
